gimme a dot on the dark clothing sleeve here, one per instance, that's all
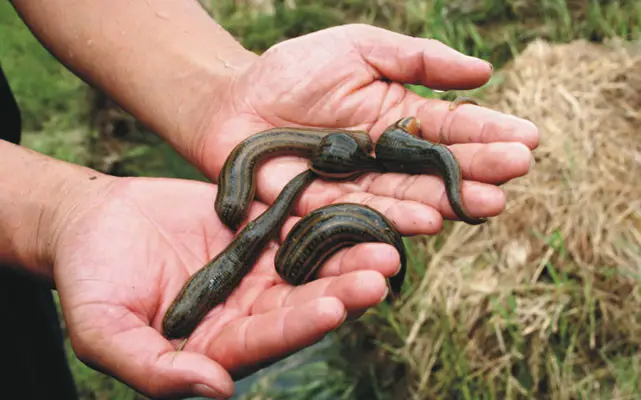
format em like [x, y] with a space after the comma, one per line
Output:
[33, 352]
[10, 121]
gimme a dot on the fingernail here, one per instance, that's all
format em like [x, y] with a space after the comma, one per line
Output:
[386, 293]
[344, 318]
[398, 270]
[205, 391]
[491, 65]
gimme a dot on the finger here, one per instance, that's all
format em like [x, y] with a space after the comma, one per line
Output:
[356, 290]
[374, 256]
[138, 355]
[263, 338]
[380, 257]
[409, 217]
[415, 204]
[480, 199]
[468, 123]
[410, 200]
[407, 59]
[493, 163]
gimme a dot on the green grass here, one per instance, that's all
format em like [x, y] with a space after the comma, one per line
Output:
[48, 94]
[493, 29]
[157, 160]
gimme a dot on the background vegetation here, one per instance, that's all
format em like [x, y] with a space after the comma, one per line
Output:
[370, 359]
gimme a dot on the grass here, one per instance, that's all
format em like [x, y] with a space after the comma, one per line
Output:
[494, 30]
[48, 94]
[575, 344]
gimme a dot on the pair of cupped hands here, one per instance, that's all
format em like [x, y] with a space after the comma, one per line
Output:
[129, 244]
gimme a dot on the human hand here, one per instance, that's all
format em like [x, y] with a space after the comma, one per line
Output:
[126, 247]
[352, 77]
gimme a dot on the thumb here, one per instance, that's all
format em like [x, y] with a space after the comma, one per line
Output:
[413, 60]
[140, 357]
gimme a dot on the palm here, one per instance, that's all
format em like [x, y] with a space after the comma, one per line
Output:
[333, 78]
[137, 257]
[123, 259]
[297, 85]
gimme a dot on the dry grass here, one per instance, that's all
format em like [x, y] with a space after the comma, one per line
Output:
[544, 300]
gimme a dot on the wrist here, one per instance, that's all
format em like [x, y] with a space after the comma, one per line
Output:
[209, 92]
[38, 196]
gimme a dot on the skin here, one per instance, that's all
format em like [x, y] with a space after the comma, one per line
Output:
[176, 70]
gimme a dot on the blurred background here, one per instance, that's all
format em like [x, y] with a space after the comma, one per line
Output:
[541, 302]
